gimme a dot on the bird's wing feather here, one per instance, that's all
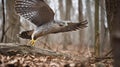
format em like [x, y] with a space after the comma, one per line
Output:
[36, 11]
[72, 27]
[69, 27]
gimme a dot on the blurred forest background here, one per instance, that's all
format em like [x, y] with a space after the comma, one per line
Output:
[96, 39]
[95, 36]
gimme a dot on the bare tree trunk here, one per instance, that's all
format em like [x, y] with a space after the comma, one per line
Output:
[82, 32]
[97, 38]
[90, 24]
[67, 39]
[68, 9]
[113, 16]
[13, 23]
[103, 30]
[3, 24]
[61, 8]
[62, 16]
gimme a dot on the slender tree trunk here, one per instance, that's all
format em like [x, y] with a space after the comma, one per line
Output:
[68, 9]
[62, 17]
[102, 28]
[13, 23]
[62, 11]
[113, 16]
[67, 38]
[97, 38]
[82, 32]
[90, 24]
[3, 24]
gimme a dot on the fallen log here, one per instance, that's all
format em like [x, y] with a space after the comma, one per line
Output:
[10, 49]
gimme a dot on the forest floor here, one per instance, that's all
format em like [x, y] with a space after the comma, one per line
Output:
[79, 57]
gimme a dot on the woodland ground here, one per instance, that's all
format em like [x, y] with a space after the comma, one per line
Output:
[79, 57]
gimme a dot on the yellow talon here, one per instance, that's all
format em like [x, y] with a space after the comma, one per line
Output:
[32, 42]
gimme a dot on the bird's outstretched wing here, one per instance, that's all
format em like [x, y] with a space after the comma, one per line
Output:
[68, 27]
[72, 27]
[36, 11]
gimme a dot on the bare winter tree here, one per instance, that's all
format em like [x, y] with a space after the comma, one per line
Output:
[113, 16]
[90, 24]
[67, 38]
[12, 23]
[97, 38]
[80, 18]
[103, 29]
[3, 23]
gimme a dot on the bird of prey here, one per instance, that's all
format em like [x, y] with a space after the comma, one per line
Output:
[41, 15]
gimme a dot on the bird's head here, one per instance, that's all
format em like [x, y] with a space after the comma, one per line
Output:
[26, 34]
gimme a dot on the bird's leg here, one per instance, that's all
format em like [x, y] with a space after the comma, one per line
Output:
[32, 41]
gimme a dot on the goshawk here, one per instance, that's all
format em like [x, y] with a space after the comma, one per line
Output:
[40, 14]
